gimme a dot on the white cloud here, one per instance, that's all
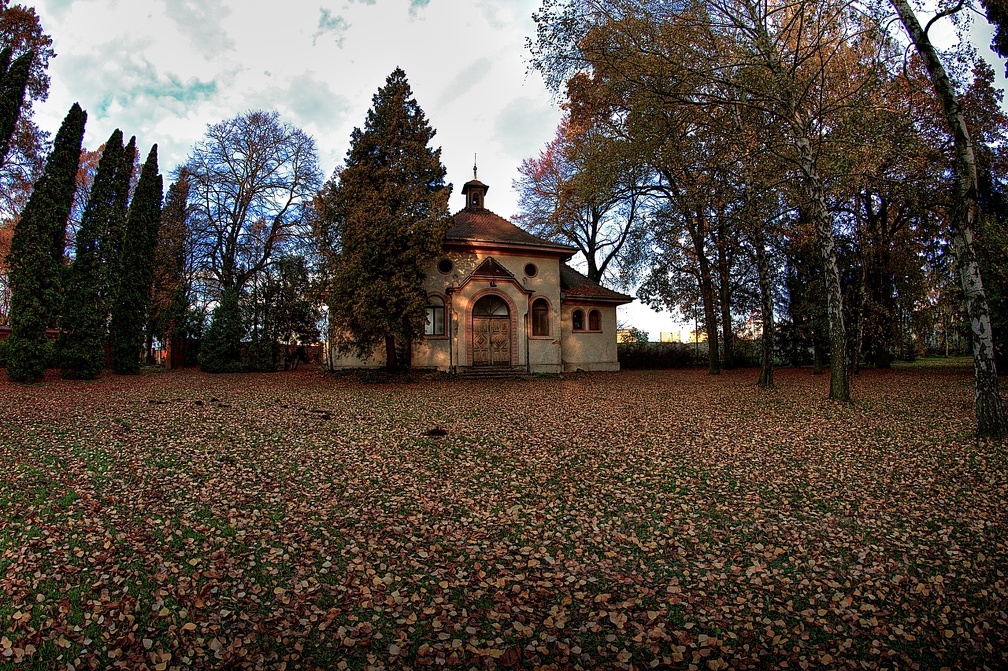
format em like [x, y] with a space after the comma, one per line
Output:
[165, 70]
[202, 24]
[332, 26]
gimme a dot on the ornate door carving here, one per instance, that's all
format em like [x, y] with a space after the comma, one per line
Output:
[491, 325]
[481, 341]
[500, 342]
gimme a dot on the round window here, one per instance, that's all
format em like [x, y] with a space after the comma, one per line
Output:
[445, 266]
[531, 270]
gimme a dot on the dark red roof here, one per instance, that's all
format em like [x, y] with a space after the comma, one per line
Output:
[474, 184]
[575, 285]
[482, 225]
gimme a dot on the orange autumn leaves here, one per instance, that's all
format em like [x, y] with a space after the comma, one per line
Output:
[179, 520]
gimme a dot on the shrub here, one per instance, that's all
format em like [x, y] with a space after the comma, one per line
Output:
[640, 355]
[262, 356]
[220, 350]
[747, 353]
[49, 354]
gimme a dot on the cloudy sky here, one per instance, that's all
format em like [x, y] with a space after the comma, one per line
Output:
[164, 69]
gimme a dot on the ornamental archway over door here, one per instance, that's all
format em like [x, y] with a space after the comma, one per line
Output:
[491, 332]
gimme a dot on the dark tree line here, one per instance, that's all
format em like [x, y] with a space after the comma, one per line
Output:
[100, 297]
[790, 158]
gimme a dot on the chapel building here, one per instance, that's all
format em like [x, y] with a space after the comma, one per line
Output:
[500, 297]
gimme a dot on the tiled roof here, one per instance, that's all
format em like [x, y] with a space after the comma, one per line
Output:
[575, 285]
[485, 226]
[473, 183]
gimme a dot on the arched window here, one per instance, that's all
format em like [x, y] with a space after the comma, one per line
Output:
[435, 316]
[577, 319]
[540, 317]
[490, 306]
[594, 320]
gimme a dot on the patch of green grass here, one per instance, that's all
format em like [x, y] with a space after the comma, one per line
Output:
[935, 362]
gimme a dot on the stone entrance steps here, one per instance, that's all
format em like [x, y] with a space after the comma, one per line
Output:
[493, 373]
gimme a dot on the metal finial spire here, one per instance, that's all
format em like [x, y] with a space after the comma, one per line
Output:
[474, 166]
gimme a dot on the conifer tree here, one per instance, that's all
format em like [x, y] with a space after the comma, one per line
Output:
[388, 210]
[135, 273]
[220, 351]
[81, 343]
[13, 84]
[170, 260]
[112, 235]
[35, 265]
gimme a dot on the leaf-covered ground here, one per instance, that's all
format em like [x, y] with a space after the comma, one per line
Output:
[629, 520]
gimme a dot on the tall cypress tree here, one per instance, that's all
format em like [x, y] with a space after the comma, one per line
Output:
[35, 265]
[169, 262]
[81, 344]
[111, 241]
[389, 206]
[132, 292]
[13, 84]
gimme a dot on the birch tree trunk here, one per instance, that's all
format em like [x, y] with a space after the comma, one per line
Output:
[766, 300]
[724, 293]
[990, 412]
[839, 377]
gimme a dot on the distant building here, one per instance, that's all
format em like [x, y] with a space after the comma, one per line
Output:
[500, 297]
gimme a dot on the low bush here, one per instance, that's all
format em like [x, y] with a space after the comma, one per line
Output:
[51, 358]
[643, 355]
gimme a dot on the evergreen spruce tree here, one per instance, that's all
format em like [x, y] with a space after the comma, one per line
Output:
[13, 84]
[35, 265]
[389, 212]
[81, 343]
[220, 349]
[132, 286]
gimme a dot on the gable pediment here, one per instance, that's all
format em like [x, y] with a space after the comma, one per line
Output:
[493, 269]
[490, 270]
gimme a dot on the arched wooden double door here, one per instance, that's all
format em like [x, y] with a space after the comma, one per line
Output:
[491, 324]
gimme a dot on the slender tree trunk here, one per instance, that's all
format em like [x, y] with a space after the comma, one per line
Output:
[391, 359]
[859, 337]
[839, 379]
[724, 289]
[766, 305]
[945, 328]
[696, 230]
[817, 355]
[992, 421]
